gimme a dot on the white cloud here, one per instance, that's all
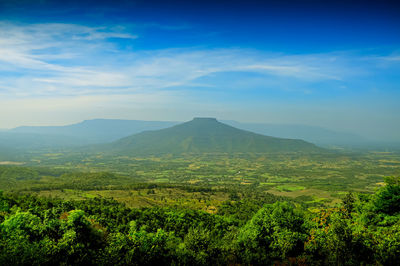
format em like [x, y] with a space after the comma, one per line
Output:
[71, 59]
[296, 70]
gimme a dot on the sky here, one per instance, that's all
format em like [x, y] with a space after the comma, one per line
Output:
[334, 64]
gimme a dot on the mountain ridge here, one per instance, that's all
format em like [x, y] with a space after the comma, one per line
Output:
[97, 131]
[202, 135]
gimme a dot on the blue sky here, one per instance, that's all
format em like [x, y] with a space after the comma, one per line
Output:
[325, 63]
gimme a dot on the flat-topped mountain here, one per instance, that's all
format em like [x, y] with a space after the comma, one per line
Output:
[203, 135]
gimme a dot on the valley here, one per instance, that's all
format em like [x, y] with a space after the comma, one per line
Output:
[315, 179]
[201, 181]
[201, 155]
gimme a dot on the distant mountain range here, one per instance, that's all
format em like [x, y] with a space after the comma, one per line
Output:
[108, 130]
[203, 135]
[96, 130]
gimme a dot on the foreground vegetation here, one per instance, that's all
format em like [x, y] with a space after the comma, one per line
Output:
[296, 209]
[363, 229]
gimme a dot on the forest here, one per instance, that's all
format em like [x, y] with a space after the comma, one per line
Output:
[364, 229]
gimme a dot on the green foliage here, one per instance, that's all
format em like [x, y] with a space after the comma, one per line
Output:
[197, 243]
[22, 223]
[19, 173]
[387, 244]
[274, 233]
[388, 198]
[40, 231]
[23, 240]
[248, 227]
[80, 240]
[242, 210]
[348, 203]
[354, 235]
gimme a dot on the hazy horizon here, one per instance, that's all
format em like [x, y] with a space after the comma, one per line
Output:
[330, 64]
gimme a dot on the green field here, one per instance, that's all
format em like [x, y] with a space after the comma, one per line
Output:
[292, 175]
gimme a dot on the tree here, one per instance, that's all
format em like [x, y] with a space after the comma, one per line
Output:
[348, 203]
[387, 199]
[22, 241]
[81, 241]
[275, 232]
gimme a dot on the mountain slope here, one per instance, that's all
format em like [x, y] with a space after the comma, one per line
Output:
[202, 135]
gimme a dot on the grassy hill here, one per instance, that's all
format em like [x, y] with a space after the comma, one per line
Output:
[202, 135]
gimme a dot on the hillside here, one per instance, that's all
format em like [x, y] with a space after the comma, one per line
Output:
[202, 135]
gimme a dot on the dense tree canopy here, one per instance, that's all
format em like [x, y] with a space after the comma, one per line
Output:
[364, 229]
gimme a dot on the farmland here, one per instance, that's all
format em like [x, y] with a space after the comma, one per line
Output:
[316, 179]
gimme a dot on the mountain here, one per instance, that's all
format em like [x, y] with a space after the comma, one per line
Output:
[108, 130]
[203, 135]
[314, 134]
[96, 130]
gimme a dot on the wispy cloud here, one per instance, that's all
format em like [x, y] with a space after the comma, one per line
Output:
[165, 27]
[395, 58]
[70, 59]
